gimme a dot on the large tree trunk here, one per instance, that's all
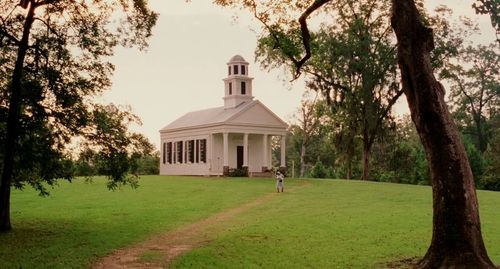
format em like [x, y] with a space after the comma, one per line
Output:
[13, 123]
[456, 239]
[366, 155]
[366, 163]
[481, 137]
[349, 168]
[350, 153]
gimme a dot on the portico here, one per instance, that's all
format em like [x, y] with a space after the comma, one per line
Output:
[251, 152]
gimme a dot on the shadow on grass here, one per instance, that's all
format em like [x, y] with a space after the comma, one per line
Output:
[405, 263]
[50, 244]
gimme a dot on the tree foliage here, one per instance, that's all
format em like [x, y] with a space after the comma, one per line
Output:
[475, 91]
[123, 157]
[309, 136]
[54, 62]
[492, 8]
[490, 179]
[308, 118]
[352, 64]
[399, 157]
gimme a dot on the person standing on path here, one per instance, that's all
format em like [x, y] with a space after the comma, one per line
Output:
[280, 182]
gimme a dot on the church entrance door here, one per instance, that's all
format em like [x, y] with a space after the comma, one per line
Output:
[239, 157]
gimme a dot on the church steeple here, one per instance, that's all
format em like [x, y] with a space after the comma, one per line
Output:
[238, 85]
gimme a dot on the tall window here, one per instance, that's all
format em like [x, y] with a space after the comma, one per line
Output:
[235, 69]
[229, 70]
[197, 150]
[203, 150]
[169, 152]
[191, 151]
[243, 70]
[230, 88]
[243, 88]
[174, 156]
[164, 152]
[179, 151]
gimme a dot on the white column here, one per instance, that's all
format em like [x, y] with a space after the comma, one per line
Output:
[210, 150]
[283, 146]
[225, 152]
[245, 149]
[264, 150]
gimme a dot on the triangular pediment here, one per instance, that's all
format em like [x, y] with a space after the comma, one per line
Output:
[257, 114]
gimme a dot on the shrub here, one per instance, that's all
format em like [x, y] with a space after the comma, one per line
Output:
[387, 176]
[330, 172]
[490, 182]
[235, 172]
[476, 161]
[318, 170]
[491, 177]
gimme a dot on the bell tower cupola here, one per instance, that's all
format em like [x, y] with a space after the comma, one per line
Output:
[238, 85]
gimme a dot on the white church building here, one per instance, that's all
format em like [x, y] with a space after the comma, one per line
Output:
[217, 140]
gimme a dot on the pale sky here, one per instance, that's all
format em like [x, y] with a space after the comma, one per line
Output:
[182, 70]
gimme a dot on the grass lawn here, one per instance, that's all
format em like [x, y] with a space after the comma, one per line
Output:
[320, 224]
[336, 224]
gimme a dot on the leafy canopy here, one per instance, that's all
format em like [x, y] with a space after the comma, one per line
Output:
[65, 68]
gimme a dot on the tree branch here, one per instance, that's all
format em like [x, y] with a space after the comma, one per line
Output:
[306, 36]
[390, 104]
[331, 83]
[4, 32]
[489, 97]
[12, 38]
[45, 2]
[471, 101]
[49, 27]
[272, 32]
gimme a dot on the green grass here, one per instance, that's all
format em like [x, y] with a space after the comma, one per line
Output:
[335, 224]
[324, 224]
[80, 222]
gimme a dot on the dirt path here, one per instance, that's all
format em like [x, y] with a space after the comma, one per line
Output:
[160, 250]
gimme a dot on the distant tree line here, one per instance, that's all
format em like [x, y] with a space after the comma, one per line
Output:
[397, 157]
[347, 130]
[90, 163]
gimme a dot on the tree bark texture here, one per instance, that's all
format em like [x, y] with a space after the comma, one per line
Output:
[456, 239]
[13, 123]
[349, 169]
[366, 155]
[481, 137]
[366, 163]
[350, 153]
